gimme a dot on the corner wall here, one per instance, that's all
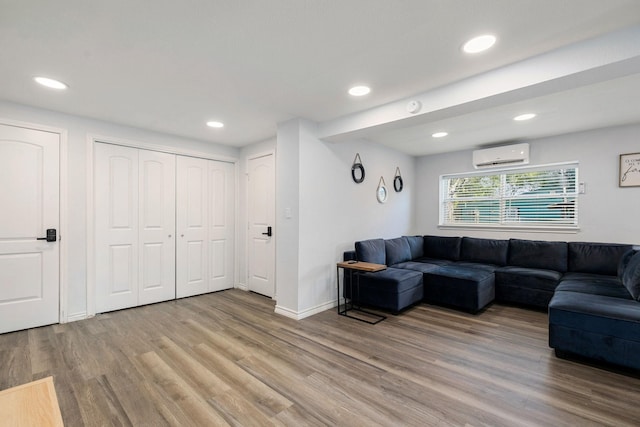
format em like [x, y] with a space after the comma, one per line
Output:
[332, 211]
[607, 213]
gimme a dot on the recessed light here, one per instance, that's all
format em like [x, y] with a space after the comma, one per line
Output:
[523, 117]
[50, 83]
[439, 134]
[215, 124]
[479, 44]
[359, 90]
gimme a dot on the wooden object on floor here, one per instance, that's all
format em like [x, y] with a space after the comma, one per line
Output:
[32, 404]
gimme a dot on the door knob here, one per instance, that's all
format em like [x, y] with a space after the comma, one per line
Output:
[268, 233]
[51, 235]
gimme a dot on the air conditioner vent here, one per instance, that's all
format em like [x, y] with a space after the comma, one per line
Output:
[517, 154]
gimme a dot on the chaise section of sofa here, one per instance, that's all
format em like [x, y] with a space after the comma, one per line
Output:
[596, 315]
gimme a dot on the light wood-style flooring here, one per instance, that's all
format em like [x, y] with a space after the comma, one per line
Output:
[226, 358]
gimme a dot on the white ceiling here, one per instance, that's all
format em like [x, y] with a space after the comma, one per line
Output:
[170, 66]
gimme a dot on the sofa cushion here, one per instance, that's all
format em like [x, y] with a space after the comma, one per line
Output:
[466, 288]
[477, 265]
[624, 261]
[436, 261]
[600, 278]
[486, 251]
[397, 250]
[372, 250]
[597, 258]
[531, 278]
[442, 247]
[610, 289]
[416, 244]
[422, 267]
[538, 254]
[391, 280]
[392, 289]
[631, 276]
[599, 314]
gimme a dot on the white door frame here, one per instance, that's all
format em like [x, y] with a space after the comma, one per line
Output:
[245, 275]
[91, 140]
[62, 162]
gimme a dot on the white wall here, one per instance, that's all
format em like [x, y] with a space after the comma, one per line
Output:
[607, 213]
[78, 131]
[332, 211]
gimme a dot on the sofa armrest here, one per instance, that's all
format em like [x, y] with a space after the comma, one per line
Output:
[349, 255]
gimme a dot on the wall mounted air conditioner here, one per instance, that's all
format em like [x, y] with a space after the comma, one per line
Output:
[507, 155]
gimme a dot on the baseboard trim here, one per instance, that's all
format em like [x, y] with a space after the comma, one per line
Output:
[77, 316]
[242, 287]
[299, 315]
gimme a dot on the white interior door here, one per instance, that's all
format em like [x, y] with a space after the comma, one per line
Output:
[116, 226]
[157, 225]
[261, 212]
[30, 201]
[221, 225]
[192, 225]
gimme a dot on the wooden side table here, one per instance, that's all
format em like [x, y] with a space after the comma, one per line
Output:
[358, 266]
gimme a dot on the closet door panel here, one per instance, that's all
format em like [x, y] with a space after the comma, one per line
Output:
[157, 224]
[116, 227]
[192, 227]
[221, 225]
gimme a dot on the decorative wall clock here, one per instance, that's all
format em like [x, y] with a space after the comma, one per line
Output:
[381, 192]
[397, 181]
[357, 170]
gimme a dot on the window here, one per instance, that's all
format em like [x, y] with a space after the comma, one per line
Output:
[544, 196]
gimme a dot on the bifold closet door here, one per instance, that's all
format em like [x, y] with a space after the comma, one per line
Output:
[221, 225]
[205, 226]
[134, 194]
[191, 225]
[157, 225]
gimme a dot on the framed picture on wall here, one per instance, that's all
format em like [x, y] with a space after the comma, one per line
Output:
[630, 170]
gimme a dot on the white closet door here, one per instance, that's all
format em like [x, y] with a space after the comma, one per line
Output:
[157, 224]
[191, 219]
[221, 225]
[116, 226]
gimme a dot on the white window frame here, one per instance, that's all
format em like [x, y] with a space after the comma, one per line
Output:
[568, 228]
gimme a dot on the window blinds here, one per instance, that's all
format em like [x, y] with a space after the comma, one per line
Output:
[524, 197]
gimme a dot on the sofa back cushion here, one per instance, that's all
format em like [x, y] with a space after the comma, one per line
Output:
[624, 261]
[442, 247]
[538, 254]
[372, 250]
[631, 276]
[489, 251]
[596, 258]
[397, 250]
[416, 244]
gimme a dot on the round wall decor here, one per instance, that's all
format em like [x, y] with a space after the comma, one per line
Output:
[397, 181]
[381, 191]
[357, 170]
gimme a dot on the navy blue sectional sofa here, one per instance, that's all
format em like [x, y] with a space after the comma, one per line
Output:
[591, 290]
